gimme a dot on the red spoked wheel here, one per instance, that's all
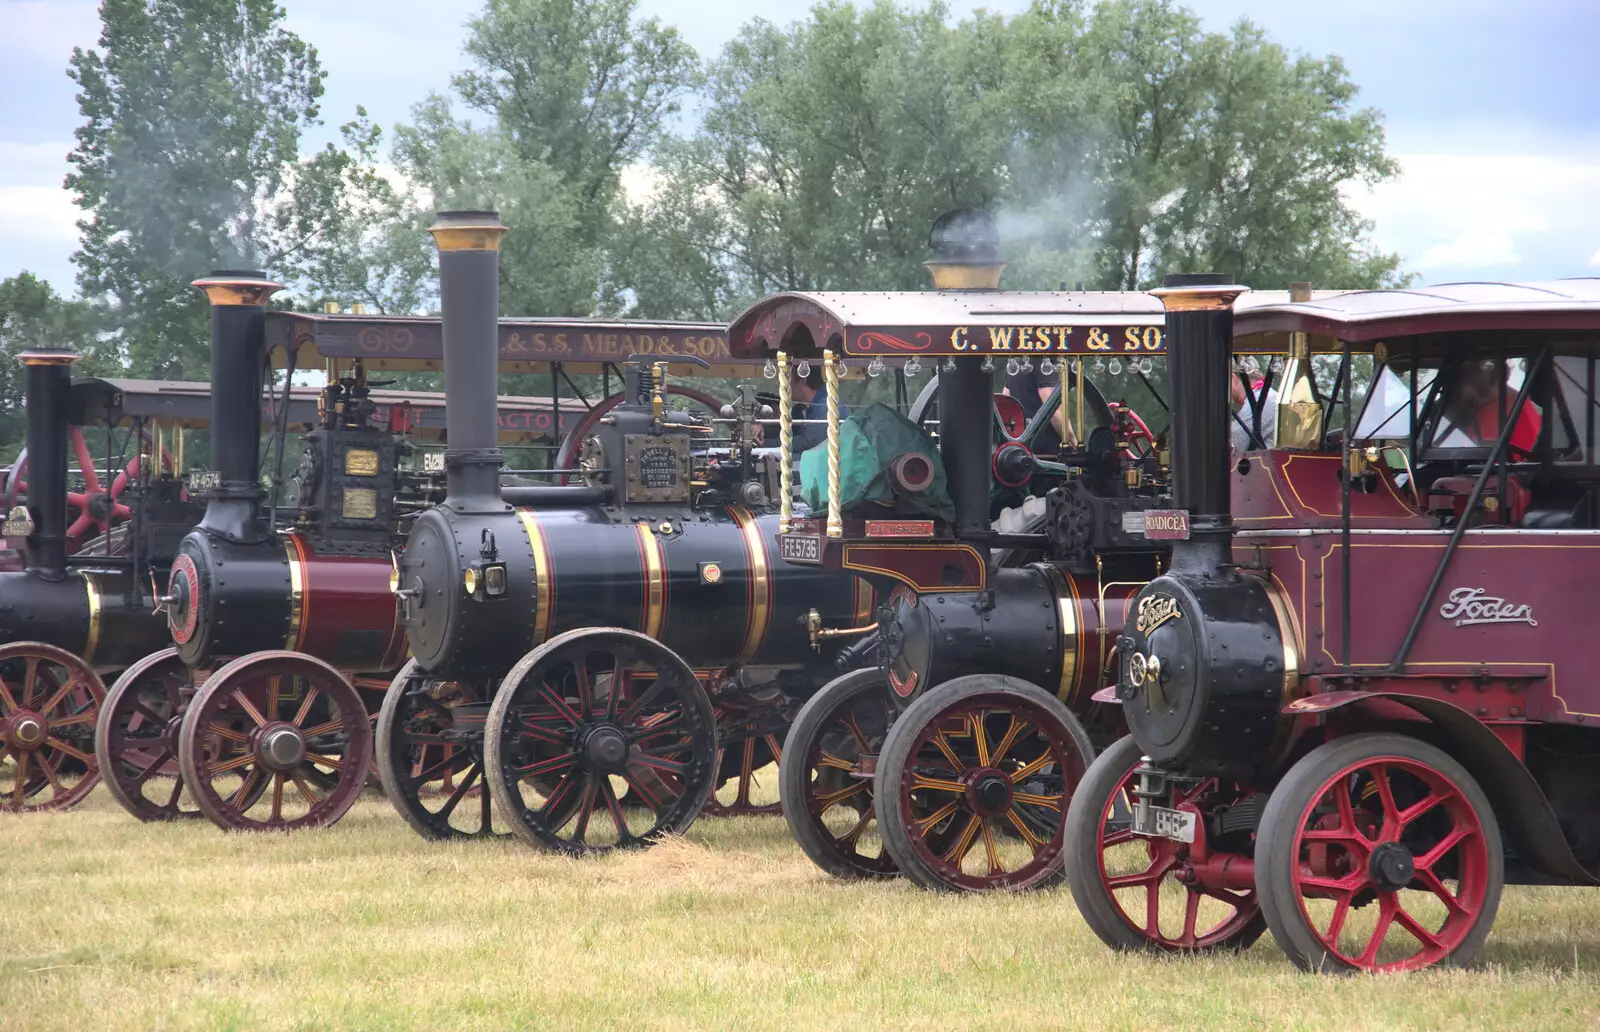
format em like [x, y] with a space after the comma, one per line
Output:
[1147, 893]
[275, 741]
[825, 775]
[591, 714]
[49, 700]
[96, 509]
[1379, 852]
[973, 782]
[567, 456]
[430, 755]
[136, 737]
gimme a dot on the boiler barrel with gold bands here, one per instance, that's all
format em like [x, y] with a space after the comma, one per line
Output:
[705, 584]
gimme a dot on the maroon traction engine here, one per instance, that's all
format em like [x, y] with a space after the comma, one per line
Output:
[1361, 701]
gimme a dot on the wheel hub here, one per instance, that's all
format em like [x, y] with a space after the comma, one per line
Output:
[25, 730]
[989, 792]
[1391, 867]
[282, 747]
[606, 748]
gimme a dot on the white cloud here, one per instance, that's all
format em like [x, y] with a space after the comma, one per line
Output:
[1451, 212]
[38, 212]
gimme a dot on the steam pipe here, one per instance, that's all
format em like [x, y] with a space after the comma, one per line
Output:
[1199, 333]
[47, 381]
[238, 351]
[469, 296]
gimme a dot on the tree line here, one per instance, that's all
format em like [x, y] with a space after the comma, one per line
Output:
[1114, 141]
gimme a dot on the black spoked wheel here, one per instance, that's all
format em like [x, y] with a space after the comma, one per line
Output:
[430, 755]
[1379, 852]
[825, 776]
[1142, 893]
[973, 782]
[588, 716]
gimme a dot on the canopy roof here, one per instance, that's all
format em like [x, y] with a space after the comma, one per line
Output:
[902, 324]
[1366, 316]
[526, 345]
[175, 402]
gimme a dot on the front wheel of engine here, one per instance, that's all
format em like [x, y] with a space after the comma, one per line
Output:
[430, 755]
[588, 716]
[136, 737]
[1379, 852]
[1138, 893]
[825, 775]
[275, 741]
[49, 702]
[973, 782]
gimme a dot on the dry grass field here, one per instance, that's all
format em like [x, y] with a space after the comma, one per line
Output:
[108, 923]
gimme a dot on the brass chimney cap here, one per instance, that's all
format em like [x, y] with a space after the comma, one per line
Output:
[237, 287]
[467, 230]
[966, 251]
[1198, 291]
[48, 357]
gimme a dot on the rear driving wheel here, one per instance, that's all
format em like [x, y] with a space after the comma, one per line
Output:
[1379, 852]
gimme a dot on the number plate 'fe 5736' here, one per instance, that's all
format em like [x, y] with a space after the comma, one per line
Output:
[1160, 822]
[800, 548]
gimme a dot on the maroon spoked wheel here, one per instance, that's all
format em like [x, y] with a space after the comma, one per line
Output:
[49, 700]
[1379, 852]
[738, 765]
[973, 782]
[825, 775]
[98, 508]
[1144, 893]
[136, 737]
[569, 453]
[430, 755]
[587, 716]
[275, 741]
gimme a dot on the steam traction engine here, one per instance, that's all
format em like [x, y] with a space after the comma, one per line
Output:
[1359, 700]
[951, 755]
[659, 625]
[66, 619]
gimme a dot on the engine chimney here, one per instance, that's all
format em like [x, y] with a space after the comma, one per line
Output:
[47, 383]
[469, 297]
[1199, 336]
[238, 351]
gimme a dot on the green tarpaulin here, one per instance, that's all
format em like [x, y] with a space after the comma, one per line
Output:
[868, 441]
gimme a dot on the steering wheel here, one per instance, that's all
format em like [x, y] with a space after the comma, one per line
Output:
[568, 455]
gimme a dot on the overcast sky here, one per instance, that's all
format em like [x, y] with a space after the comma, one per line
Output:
[1493, 110]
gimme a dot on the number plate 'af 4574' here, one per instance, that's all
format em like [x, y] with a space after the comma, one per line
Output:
[1160, 822]
[800, 548]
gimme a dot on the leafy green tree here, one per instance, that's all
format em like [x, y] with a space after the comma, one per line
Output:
[574, 94]
[192, 117]
[33, 315]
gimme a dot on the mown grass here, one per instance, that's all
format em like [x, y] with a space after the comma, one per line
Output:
[108, 923]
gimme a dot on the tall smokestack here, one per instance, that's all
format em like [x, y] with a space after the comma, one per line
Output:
[965, 246]
[1199, 360]
[238, 350]
[469, 299]
[47, 383]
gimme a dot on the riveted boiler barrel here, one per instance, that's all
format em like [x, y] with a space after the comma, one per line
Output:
[1039, 623]
[229, 599]
[710, 587]
[91, 613]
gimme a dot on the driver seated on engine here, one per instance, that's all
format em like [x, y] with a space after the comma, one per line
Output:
[1479, 404]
